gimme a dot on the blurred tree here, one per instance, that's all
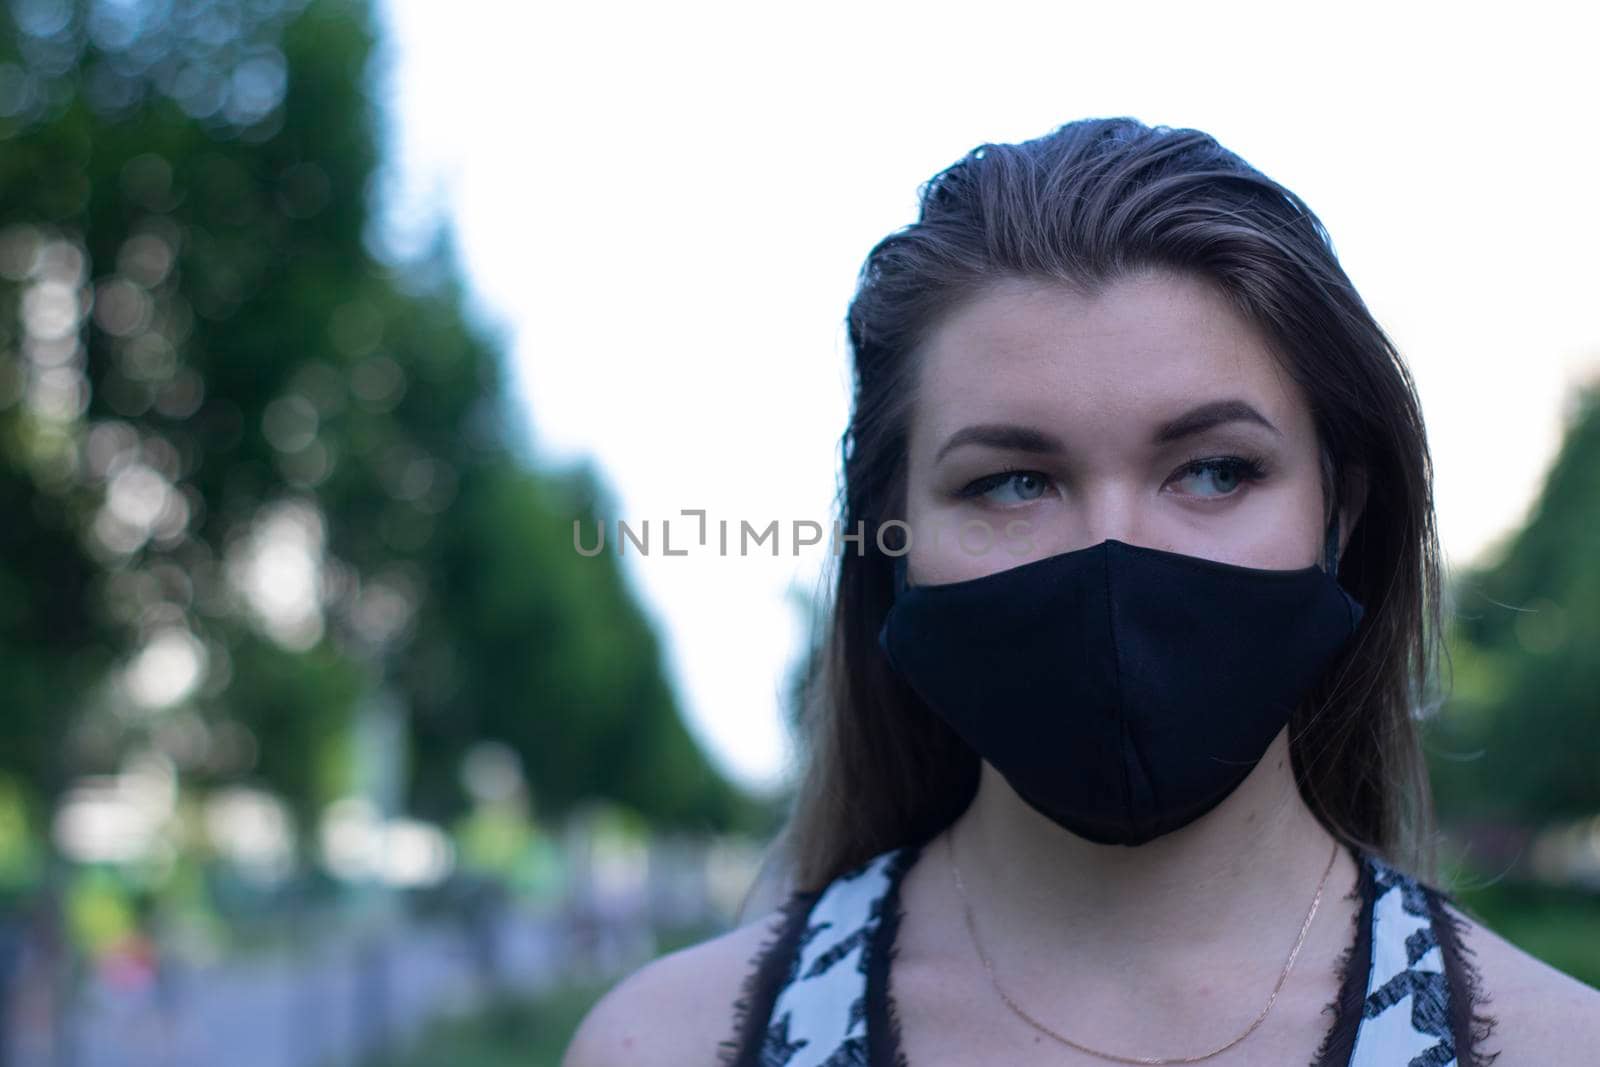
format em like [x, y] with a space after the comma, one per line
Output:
[246, 466]
[1523, 635]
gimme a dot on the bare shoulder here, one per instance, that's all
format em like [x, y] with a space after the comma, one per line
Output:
[1542, 1015]
[675, 1010]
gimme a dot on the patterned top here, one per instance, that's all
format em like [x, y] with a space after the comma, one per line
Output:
[818, 996]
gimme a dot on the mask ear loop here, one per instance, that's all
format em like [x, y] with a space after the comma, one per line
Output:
[1330, 547]
[1330, 564]
[899, 567]
[1330, 552]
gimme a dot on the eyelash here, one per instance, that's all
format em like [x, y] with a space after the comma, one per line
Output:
[1249, 469]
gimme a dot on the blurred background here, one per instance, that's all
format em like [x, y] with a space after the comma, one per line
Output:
[322, 742]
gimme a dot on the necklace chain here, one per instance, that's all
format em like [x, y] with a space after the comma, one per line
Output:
[1037, 1025]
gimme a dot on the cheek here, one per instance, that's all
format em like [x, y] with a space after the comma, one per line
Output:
[1277, 526]
[1291, 533]
[951, 543]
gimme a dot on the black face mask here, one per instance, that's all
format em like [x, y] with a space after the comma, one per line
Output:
[1122, 691]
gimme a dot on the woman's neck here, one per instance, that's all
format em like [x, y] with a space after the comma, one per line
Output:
[1231, 889]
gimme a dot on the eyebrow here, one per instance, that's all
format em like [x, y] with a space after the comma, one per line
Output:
[1018, 438]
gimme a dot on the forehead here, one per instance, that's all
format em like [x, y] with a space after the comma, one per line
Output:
[1107, 365]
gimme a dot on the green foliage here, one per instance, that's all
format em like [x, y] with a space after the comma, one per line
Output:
[545, 652]
[1519, 739]
[206, 376]
[19, 855]
[522, 1031]
[298, 704]
[1557, 924]
[512, 1032]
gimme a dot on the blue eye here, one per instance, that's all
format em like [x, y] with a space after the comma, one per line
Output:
[1227, 473]
[1030, 485]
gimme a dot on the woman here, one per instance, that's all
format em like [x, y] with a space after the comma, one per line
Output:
[1112, 755]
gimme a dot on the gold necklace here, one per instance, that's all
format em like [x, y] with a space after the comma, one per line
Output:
[1037, 1025]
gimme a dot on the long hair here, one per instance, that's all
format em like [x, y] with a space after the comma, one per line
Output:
[1083, 206]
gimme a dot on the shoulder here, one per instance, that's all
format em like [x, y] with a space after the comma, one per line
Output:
[675, 1010]
[1542, 1015]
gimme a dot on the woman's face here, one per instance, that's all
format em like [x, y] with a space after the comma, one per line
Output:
[1151, 413]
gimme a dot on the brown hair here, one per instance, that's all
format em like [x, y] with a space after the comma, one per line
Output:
[1091, 202]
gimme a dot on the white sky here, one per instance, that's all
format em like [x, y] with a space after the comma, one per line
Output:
[666, 206]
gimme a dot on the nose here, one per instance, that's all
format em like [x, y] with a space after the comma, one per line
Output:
[1107, 514]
